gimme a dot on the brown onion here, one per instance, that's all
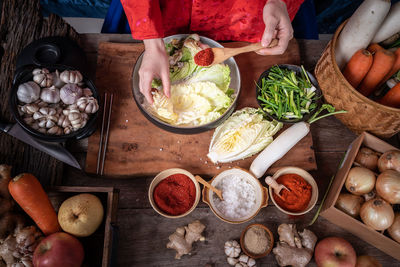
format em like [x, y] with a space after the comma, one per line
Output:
[370, 195]
[368, 158]
[390, 160]
[394, 229]
[349, 204]
[388, 186]
[367, 261]
[377, 213]
[360, 181]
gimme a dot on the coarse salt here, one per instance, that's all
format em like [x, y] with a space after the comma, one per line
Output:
[239, 197]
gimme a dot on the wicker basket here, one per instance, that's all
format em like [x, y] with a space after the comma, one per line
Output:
[363, 114]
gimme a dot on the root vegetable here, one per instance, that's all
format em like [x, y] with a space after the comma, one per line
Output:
[394, 229]
[368, 158]
[349, 204]
[360, 181]
[367, 261]
[395, 67]
[390, 25]
[388, 186]
[377, 213]
[383, 61]
[392, 98]
[374, 47]
[390, 160]
[294, 248]
[358, 66]
[184, 237]
[232, 248]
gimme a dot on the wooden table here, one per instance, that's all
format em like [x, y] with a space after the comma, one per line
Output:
[143, 233]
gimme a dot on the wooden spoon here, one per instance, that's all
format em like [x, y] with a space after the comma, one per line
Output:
[222, 54]
[208, 185]
[275, 186]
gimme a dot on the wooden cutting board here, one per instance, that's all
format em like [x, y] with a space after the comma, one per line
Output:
[137, 148]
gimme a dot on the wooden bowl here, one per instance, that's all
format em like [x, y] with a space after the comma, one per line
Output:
[261, 195]
[161, 176]
[307, 177]
[257, 256]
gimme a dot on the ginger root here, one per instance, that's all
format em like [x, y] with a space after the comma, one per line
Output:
[184, 237]
[294, 248]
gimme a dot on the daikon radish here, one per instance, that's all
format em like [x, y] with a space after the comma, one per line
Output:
[390, 26]
[360, 29]
[279, 147]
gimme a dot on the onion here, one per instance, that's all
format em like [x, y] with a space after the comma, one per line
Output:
[388, 186]
[394, 229]
[368, 158]
[349, 204]
[369, 195]
[377, 213]
[360, 181]
[389, 160]
[367, 261]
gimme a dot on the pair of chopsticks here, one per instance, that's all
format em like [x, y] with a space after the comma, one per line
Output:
[101, 155]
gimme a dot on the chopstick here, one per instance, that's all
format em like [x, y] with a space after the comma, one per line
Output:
[101, 155]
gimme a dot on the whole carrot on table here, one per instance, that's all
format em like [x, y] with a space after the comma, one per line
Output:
[357, 67]
[392, 98]
[30, 195]
[382, 63]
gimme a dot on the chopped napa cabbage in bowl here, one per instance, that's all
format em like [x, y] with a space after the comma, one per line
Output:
[201, 97]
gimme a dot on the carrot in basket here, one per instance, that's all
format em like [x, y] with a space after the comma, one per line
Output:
[374, 47]
[29, 194]
[381, 65]
[357, 67]
[392, 98]
[395, 67]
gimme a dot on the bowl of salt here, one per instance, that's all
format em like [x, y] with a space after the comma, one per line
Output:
[243, 196]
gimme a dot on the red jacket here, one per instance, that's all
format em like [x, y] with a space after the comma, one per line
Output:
[236, 20]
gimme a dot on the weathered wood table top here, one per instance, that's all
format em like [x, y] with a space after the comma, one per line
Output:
[143, 233]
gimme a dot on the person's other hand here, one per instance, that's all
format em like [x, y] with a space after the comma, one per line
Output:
[155, 64]
[277, 25]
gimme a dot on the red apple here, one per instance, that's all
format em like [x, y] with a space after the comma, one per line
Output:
[60, 250]
[335, 252]
[367, 261]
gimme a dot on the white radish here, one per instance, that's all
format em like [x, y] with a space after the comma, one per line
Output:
[360, 29]
[390, 26]
[278, 148]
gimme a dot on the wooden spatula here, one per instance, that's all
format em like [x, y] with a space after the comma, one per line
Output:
[222, 54]
[206, 184]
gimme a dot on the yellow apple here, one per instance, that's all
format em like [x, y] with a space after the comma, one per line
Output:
[81, 215]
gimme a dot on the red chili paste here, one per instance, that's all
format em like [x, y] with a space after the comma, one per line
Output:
[175, 194]
[204, 57]
[297, 199]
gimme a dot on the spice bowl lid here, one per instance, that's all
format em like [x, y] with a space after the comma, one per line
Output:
[271, 241]
[260, 191]
[304, 174]
[163, 175]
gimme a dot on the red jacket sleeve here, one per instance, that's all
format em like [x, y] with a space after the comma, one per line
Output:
[144, 17]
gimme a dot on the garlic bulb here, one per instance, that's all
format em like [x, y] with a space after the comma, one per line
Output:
[28, 92]
[29, 108]
[41, 103]
[71, 108]
[87, 104]
[77, 120]
[63, 121]
[42, 77]
[232, 248]
[71, 76]
[55, 130]
[46, 116]
[87, 92]
[57, 82]
[68, 129]
[70, 93]
[50, 95]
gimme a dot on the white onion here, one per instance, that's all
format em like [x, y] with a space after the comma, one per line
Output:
[377, 213]
[368, 158]
[349, 204]
[360, 181]
[388, 186]
[394, 229]
[390, 160]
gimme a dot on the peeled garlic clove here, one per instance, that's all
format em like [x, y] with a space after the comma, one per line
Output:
[71, 76]
[28, 92]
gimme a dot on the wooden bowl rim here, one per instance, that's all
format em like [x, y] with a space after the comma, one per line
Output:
[256, 256]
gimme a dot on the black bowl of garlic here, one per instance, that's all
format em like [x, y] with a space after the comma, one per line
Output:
[54, 102]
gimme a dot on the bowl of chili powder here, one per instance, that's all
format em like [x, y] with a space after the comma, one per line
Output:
[303, 191]
[174, 193]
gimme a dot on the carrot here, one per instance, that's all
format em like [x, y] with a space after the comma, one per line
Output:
[374, 47]
[392, 98]
[383, 61]
[29, 194]
[395, 67]
[358, 66]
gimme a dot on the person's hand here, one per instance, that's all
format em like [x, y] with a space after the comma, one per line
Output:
[155, 64]
[277, 25]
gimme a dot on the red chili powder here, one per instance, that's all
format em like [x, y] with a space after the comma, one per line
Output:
[297, 199]
[175, 194]
[204, 57]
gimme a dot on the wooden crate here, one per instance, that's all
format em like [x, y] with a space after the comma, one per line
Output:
[95, 254]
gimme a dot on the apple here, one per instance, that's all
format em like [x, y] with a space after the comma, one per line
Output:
[335, 252]
[60, 250]
[367, 261]
[81, 215]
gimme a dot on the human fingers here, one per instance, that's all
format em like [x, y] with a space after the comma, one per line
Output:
[166, 82]
[271, 24]
[145, 86]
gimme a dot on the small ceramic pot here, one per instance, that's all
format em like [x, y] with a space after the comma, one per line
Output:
[307, 177]
[260, 191]
[271, 243]
[161, 176]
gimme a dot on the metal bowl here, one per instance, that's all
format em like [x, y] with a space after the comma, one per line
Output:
[297, 70]
[145, 108]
